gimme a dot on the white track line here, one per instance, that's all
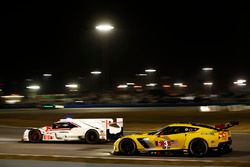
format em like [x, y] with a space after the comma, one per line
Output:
[3, 139]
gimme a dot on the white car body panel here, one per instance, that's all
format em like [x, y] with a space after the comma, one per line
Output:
[106, 128]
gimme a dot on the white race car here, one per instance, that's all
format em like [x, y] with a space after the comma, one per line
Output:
[90, 130]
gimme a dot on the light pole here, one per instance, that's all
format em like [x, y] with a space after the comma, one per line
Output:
[207, 73]
[208, 86]
[240, 85]
[141, 78]
[180, 87]
[46, 82]
[104, 30]
[207, 79]
[151, 74]
[33, 89]
[96, 81]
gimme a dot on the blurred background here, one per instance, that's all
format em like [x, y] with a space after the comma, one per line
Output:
[148, 87]
[124, 53]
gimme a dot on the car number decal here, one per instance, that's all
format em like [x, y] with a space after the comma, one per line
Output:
[166, 143]
[47, 137]
[163, 143]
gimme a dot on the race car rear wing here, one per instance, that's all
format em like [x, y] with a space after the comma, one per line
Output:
[227, 125]
[114, 128]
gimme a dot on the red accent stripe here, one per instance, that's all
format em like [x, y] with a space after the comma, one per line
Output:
[107, 124]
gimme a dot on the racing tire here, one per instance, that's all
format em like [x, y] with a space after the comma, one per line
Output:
[198, 148]
[127, 147]
[92, 136]
[35, 136]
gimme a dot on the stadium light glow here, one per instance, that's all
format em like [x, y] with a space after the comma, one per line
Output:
[47, 75]
[104, 27]
[122, 86]
[141, 75]
[207, 69]
[166, 86]
[180, 84]
[130, 83]
[240, 82]
[150, 70]
[12, 101]
[183, 86]
[137, 86]
[95, 72]
[71, 86]
[151, 84]
[207, 83]
[33, 87]
[12, 96]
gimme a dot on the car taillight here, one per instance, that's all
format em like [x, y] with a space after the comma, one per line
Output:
[222, 135]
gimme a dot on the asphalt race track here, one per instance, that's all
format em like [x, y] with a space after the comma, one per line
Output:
[37, 163]
[11, 145]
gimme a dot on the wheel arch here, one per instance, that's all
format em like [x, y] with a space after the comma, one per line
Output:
[130, 139]
[89, 130]
[197, 138]
[127, 138]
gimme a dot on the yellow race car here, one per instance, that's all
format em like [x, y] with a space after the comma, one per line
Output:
[193, 138]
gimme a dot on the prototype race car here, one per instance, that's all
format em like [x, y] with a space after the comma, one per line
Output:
[193, 138]
[90, 130]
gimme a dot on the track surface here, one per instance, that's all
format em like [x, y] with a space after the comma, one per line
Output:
[26, 163]
[10, 141]
[10, 144]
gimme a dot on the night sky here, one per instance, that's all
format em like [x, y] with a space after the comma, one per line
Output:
[176, 38]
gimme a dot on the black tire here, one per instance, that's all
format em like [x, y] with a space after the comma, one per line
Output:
[198, 148]
[92, 136]
[35, 136]
[127, 147]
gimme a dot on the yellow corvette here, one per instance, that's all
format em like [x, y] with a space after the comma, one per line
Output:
[193, 138]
